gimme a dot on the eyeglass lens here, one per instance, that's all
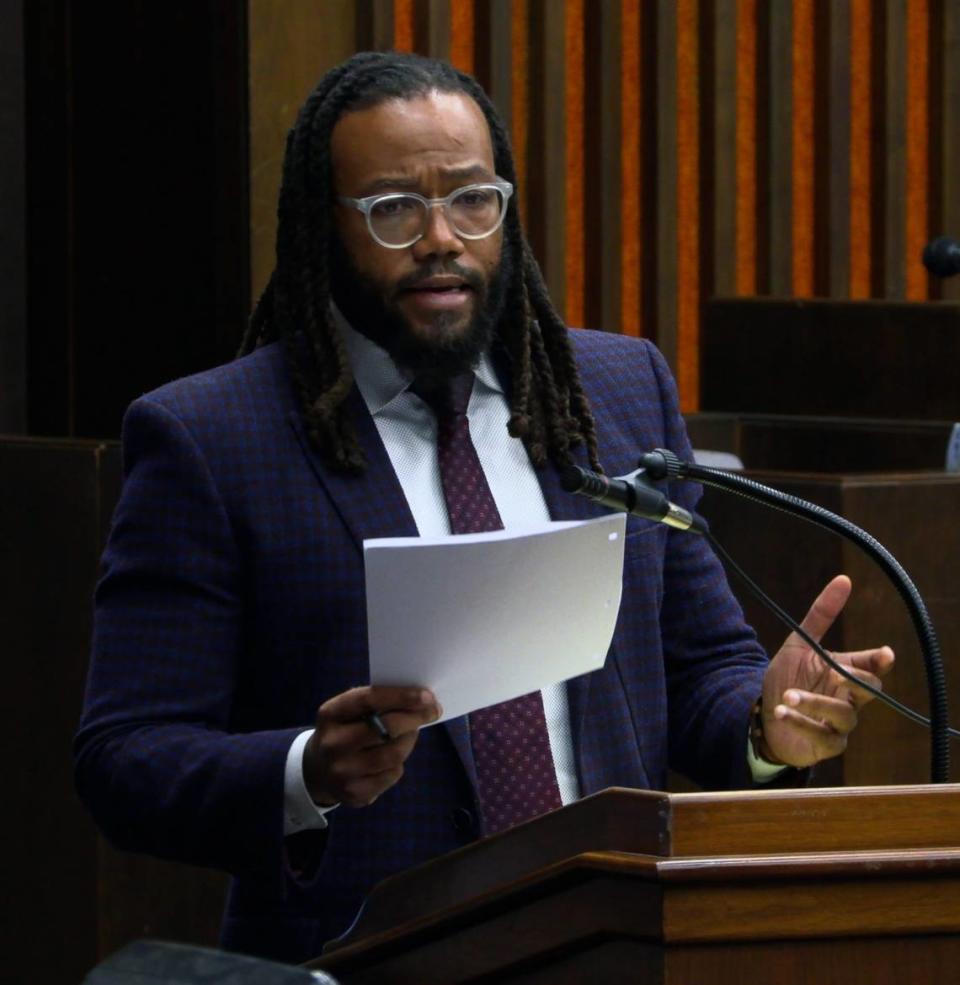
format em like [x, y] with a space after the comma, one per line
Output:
[399, 219]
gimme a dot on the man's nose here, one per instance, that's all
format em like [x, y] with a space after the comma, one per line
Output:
[439, 237]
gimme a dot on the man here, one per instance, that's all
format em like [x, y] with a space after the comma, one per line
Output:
[226, 723]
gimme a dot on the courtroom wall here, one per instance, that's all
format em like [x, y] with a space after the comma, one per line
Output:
[675, 149]
[669, 151]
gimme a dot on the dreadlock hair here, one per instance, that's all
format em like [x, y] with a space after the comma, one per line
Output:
[549, 410]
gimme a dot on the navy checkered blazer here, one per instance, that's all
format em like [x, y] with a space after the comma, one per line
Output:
[232, 605]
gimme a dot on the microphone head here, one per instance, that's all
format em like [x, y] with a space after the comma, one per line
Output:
[941, 257]
[571, 478]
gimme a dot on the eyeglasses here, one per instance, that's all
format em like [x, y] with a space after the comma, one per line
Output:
[399, 219]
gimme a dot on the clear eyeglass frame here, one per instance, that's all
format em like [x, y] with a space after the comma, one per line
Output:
[367, 204]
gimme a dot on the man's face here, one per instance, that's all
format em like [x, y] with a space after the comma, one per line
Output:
[431, 305]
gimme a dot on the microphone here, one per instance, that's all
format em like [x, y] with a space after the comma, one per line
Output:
[941, 257]
[630, 494]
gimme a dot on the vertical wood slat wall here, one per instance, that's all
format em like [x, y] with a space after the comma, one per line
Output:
[670, 150]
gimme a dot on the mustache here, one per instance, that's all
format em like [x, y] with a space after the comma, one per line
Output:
[472, 279]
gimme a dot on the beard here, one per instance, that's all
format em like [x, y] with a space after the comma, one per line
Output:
[442, 353]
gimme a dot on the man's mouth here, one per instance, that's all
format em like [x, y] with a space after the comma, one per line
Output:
[440, 285]
[439, 293]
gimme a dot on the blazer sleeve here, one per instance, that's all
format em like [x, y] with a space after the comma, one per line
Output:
[714, 663]
[159, 761]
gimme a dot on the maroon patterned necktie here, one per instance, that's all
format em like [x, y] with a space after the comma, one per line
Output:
[515, 772]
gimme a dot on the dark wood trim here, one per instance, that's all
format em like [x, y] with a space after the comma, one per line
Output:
[835, 116]
[708, 99]
[895, 113]
[779, 245]
[374, 25]
[949, 156]
[879, 158]
[49, 204]
[602, 195]
[494, 30]
[666, 283]
[431, 27]
[13, 228]
[650, 218]
[722, 149]
[231, 123]
[137, 203]
[546, 145]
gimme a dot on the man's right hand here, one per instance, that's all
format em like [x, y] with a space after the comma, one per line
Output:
[346, 761]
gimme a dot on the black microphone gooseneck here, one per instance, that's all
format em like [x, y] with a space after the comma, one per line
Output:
[663, 464]
[634, 493]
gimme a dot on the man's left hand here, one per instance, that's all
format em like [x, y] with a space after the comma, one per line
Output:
[809, 709]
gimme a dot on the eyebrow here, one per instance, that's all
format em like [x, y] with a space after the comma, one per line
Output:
[476, 172]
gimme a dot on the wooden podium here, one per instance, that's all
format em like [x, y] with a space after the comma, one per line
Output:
[781, 886]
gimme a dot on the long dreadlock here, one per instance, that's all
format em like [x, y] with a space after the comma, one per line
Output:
[549, 410]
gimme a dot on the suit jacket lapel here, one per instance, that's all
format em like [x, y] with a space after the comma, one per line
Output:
[374, 505]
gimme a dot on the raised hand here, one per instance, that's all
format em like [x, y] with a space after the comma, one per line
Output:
[809, 709]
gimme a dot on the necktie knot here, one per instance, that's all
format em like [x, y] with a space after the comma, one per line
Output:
[447, 399]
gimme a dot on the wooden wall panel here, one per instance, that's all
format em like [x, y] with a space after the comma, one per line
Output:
[803, 167]
[630, 159]
[686, 225]
[946, 110]
[662, 230]
[519, 104]
[721, 209]
[836, 92]
[463, 34]
[861, 148]
[776, 84]
[604, 189]
[291, 46]
[670, 150]
[917, 129]
[745, 190]
[894, 161]
[574, 157]
[13, 229]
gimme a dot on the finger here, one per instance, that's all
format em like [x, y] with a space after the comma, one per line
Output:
[824, 741]
[826, 607]
[332, 767]
[832, 713]
[879, 660]
[355, 764]
[858, 696]
[340, 738]
[364, 733]
[399, 723]
[359, 702]
[363, 791]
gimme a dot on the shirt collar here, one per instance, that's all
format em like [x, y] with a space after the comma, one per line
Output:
[379, 379]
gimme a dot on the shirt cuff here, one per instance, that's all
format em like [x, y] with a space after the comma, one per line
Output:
[760, 769]
[300, 813]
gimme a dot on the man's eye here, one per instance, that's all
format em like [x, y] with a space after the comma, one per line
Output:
[476, 198]
[394, 207]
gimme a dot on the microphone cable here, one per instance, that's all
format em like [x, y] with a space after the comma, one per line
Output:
[663, 464]
[817, 648]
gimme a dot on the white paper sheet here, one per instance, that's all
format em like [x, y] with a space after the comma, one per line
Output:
[482, 618]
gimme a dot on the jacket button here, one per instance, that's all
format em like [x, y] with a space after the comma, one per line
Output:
[463, 821]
